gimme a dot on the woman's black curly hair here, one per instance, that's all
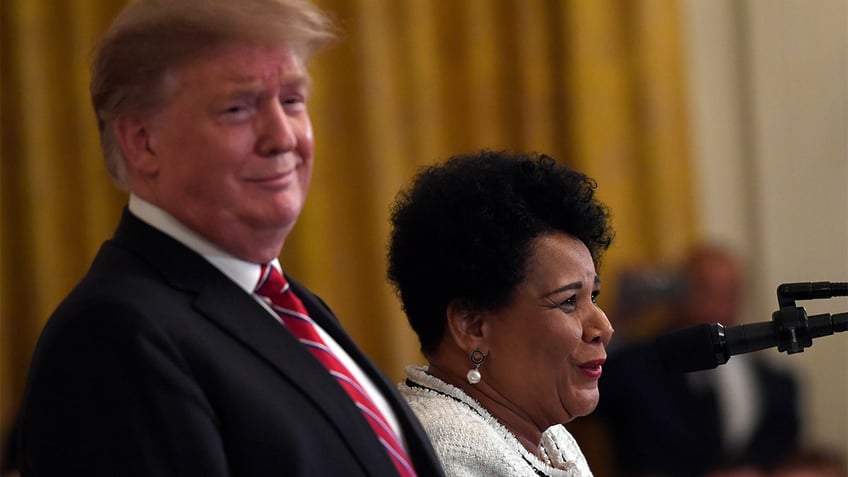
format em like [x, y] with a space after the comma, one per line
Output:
[465, 228]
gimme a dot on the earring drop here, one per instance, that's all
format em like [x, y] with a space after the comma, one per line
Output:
[477, 358]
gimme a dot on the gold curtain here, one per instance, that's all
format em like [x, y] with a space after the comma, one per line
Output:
[597, 84]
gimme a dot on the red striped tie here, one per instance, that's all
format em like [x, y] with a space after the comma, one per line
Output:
[274, 289]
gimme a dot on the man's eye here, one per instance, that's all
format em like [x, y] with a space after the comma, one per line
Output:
[236, 113]
[595, 296]
[235, 108]
[294, 103]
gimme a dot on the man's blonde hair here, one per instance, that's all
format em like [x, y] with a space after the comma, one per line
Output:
[149, 38]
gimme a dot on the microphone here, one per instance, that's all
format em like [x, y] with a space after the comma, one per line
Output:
[708, 345]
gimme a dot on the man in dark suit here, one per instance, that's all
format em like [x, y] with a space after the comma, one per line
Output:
[732, 420]
[165, 360]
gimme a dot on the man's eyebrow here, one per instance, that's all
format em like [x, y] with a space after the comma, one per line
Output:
[300, 82]
[240, 84]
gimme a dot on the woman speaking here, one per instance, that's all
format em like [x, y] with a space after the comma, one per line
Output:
[494, 258]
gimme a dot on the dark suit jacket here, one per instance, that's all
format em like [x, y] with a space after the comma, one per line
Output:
[660, 426]
[157, 364]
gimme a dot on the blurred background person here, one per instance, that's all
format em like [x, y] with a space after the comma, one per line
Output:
[730, 421]
[494, 258]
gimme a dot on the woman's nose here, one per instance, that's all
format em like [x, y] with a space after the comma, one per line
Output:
[598, 329]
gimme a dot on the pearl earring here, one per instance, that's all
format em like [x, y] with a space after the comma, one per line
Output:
[477, 358]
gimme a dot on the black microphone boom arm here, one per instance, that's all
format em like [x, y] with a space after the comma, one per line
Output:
[708, 345]
[794, 329]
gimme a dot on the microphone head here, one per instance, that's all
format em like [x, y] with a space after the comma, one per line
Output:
[692, 349]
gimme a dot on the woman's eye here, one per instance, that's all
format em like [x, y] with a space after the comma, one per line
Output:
[569, 304]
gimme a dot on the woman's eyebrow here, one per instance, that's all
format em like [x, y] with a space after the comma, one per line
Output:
[570, 286]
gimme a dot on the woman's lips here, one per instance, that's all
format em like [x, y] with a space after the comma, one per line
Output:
[593, 369]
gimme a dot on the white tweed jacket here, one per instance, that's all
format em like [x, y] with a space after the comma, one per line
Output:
[470, 442]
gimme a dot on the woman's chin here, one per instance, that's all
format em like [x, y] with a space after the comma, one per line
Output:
[583, 403]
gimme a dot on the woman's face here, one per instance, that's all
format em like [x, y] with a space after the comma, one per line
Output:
[546, 348]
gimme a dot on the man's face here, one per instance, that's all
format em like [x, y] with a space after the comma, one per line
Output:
[715, 292]
[233, 149]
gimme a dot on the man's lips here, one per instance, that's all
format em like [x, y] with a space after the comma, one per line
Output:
[273, 177]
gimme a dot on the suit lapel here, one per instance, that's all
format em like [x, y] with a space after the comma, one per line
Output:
[220, 300]
[252, 325]
[420, 450]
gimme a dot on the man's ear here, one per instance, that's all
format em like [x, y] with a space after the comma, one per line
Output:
[466, 325]
[133, 134]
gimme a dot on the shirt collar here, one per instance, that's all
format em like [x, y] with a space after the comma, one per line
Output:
[245, 274]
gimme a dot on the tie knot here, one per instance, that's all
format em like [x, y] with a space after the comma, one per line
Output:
[271, 282]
